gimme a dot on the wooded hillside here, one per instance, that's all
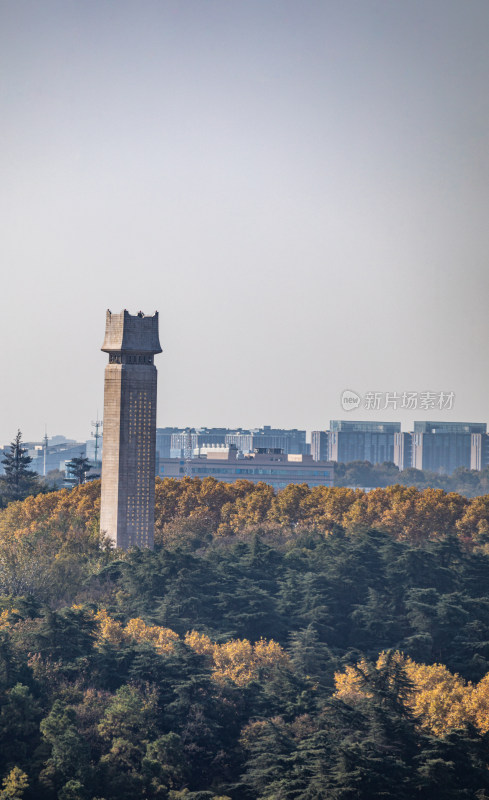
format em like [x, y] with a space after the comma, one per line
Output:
[310, 643]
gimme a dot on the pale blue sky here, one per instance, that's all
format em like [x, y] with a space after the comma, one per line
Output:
[300, 188]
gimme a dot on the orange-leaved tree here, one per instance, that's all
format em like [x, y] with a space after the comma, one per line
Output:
[440, 700]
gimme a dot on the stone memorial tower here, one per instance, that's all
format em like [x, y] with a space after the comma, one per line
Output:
[128, 463]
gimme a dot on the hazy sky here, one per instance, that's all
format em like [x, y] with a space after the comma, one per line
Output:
[300, 188]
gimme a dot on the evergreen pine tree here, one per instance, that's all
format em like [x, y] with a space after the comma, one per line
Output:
[18, 480]
[78, 469]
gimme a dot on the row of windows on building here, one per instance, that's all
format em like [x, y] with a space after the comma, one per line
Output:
[306, 473]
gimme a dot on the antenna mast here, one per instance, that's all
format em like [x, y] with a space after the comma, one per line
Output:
[97, 424]
[45, 440]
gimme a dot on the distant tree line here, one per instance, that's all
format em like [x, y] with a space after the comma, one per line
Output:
[469, 482]
[19, 481]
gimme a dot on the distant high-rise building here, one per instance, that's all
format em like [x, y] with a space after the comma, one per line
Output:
[319, 445]
[465, 428]
[163, 441]
[128, 463]
[403, 450]
[199, 437]
[479, 451]
[172, 442]
[291, 440]
[443, 446]
[351, 440]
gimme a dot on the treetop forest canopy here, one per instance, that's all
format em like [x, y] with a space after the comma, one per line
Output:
[309, 643]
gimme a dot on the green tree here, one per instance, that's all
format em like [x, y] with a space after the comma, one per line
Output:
[78, 469]
[164, 765]
[19, 727]
[18, 480]
[72, 790]
[69, 751]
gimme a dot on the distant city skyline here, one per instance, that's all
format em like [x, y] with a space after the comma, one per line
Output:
[410, 428]
[300, 189]
[439, 447]
[199, 436]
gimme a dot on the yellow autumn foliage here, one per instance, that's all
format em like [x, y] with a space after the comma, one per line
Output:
[163, 639]
[238, 660]
[477, 704]
[5, 619]
[136, 630]
[8, 617]
[234, 661]
[66, 513]
[199, 643]
[195, 507]
[109, 629]
[241, 662]
[441, 700]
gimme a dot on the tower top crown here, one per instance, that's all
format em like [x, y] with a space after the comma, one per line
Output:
[128, 333]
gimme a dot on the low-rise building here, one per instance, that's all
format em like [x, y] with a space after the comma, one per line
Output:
[268, 465]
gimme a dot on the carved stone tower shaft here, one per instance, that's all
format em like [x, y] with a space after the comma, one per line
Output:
[128, 464]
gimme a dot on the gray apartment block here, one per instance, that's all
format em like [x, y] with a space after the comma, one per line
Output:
[128, 464]
[445, 446]
[441, 452]
[351, 440]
